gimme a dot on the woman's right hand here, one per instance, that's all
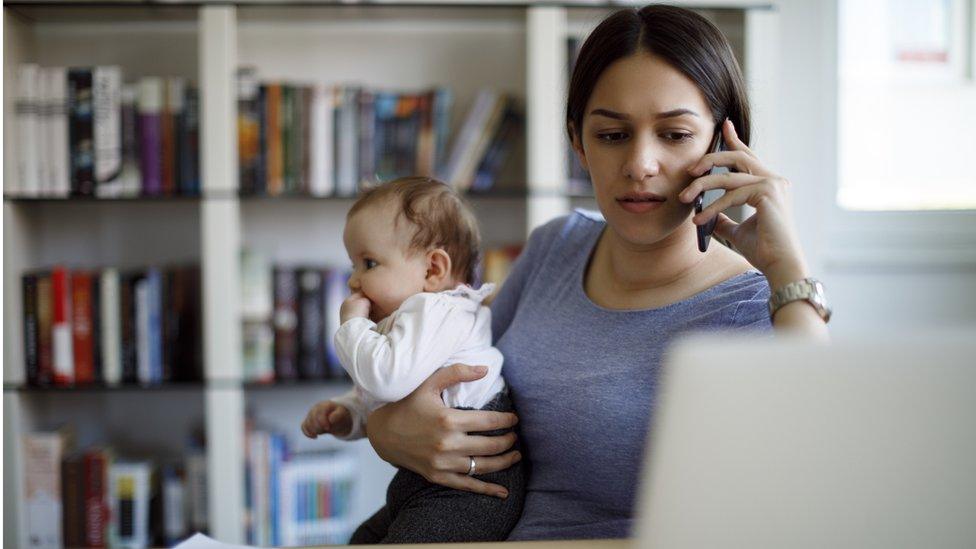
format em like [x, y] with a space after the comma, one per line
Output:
[420, 433]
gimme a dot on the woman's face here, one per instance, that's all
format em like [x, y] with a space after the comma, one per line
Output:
[644, 126]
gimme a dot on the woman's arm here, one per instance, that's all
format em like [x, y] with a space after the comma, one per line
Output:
[767, 239]
[420, 433]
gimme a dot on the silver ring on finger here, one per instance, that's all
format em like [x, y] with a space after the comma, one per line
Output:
[471, 467]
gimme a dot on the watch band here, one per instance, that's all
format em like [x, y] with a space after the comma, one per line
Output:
[810, 290]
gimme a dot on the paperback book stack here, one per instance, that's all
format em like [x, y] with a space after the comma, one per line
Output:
[110, 326]
[290, 314]
[92, 498]
[296, 499]
[323, 140]
[82, 132]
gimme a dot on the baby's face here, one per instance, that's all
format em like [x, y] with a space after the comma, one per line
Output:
[385, 270]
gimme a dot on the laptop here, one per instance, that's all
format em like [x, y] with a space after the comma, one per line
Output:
[784, 443]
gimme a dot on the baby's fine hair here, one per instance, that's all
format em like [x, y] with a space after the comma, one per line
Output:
[440, 216]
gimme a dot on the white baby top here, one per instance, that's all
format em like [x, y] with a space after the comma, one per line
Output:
[429, 331]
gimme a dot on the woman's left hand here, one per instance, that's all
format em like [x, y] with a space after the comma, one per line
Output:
[767, 239]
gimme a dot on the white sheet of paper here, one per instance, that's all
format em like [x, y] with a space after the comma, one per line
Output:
[200, 541]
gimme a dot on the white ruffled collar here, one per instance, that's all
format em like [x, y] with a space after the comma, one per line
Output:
[479, 295]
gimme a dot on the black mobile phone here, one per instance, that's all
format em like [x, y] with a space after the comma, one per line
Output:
[705, 199]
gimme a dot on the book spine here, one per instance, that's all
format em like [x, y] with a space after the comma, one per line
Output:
[285, 323]
[288, 137]
[190, 143]
[345, 136]
[60, 145]
[154, 324]
[167, 140]
[107, 126]
[311, 363]
[336, 290]
[42, 482]
[61, 326]
[261, 162]
[275, 174]
[80, 130]
[425, 140]
[28, 125]
[127, 316]
[43, 114]
[31, 341]
[443, 100]
[110, 330]
[247, 130]
[81, 325]
[150, 138]
[367, 138]
[73, 501]
[98, 366]
[130, 179]
[304, 174]
[45, 326]
[96, 504]
[141, 293]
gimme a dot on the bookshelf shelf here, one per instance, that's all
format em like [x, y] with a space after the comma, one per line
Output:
[105, 388]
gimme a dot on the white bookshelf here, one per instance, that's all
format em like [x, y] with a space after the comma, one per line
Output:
[516, 47]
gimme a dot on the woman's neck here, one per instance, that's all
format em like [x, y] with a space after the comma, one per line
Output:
[625, 268]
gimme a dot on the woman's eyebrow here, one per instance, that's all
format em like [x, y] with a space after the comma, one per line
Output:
[674, 113]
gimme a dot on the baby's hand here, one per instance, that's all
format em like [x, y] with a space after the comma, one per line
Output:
[327, 417]
[354, 306]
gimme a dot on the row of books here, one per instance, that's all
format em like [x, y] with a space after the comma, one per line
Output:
[109, 326]
[290, 315]
[296, 499]
[89, 498]
[81, 132]
[323, 140]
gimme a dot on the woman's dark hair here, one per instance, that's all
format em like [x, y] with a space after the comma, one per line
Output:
[685, 40]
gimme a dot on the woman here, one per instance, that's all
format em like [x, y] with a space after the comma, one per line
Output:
[590, 307]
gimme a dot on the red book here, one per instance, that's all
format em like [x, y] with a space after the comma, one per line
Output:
[96, 502]
[61, 326]
[81, 327]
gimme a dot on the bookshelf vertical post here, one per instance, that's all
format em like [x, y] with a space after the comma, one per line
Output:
[221, 229]
[545, 98]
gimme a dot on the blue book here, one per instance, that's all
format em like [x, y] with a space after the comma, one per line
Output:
[155, 285]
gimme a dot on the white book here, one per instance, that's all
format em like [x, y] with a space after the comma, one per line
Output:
[258, 450]
[60, 176]
[130, 489]
[256, 298]
[111, 327]
[28, 182]
[196, 484]
[43, 453]
[322, 146]
[143, 361]
[107, 127]
[174, 504]
[44, 152]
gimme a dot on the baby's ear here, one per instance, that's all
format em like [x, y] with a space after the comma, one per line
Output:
[438, 270]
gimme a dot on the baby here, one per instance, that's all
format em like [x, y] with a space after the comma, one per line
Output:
[414, 247]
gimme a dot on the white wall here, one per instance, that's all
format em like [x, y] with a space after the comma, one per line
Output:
[874, 283]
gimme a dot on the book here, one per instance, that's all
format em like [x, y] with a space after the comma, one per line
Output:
[498, 151]
[111, 336]
[311, 324]
[82, 318]
[274, 178]
[285, 323]
[316, 498]
[150, 109]
[81, 131]
[128, 323]
[43, 452]
[61, 333]
[106, 124]
[322, 182]
[96, 466]
[31, 327]
[258, 341]
[248, 127]
[335, 291]
[460, 165]
[57, 136]
[174, 504]
[189, 144]
[73, 500]
[45, 326]
[196, 489]
[130, 492]
[28, 181]
[170, 118]
[347, 154]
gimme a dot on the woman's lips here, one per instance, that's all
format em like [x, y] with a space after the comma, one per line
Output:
[640, 202]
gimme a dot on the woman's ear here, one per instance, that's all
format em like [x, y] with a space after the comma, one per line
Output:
[577, 145]
[438, 270]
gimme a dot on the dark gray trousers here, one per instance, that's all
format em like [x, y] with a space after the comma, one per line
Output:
[418, 511]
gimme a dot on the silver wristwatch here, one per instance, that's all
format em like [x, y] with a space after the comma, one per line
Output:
[810, 290]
